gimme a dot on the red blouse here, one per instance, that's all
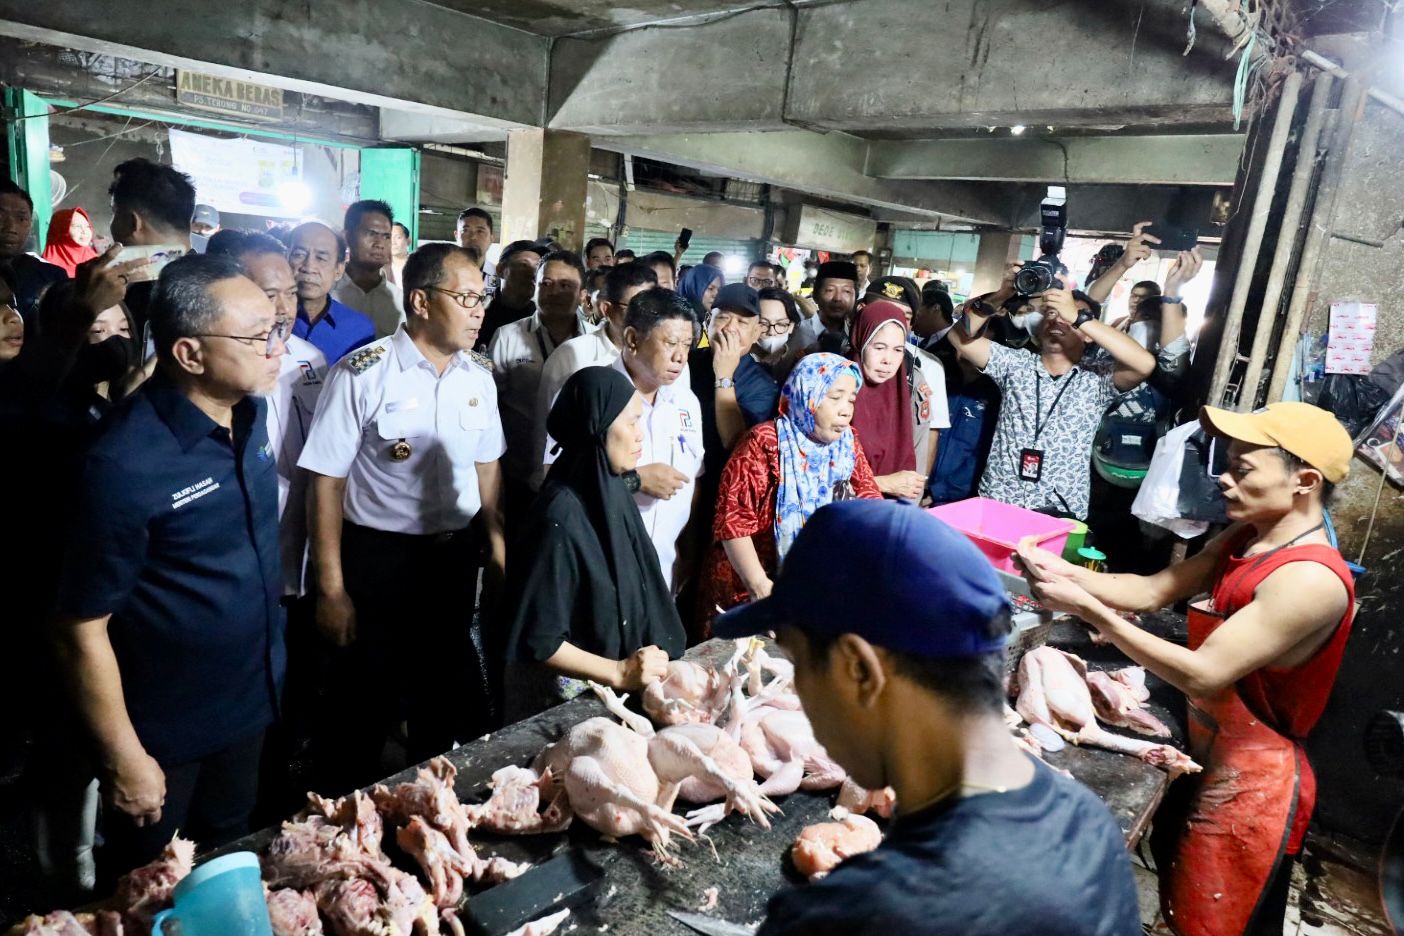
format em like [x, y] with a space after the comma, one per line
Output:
[746, 507]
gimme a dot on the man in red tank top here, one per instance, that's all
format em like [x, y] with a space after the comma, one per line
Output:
[1263, 653]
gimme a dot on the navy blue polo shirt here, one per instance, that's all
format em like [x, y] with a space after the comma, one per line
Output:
[176, 536]
[338, 331]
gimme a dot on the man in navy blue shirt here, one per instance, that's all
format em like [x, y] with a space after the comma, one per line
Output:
[318, 258]
[169, 624]
[904, 687]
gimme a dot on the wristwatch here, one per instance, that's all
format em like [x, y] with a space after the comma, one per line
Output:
[1172, 300]
[632, 481]
[1084, 316]
[725, 383]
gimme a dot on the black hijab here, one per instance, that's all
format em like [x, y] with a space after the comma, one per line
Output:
[579, 421]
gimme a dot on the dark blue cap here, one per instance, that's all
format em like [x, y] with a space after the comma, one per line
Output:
[737, 297]
[892, 574]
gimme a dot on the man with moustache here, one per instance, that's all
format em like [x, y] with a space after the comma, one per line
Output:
[836, 295]
[405, 500]
[317, 255]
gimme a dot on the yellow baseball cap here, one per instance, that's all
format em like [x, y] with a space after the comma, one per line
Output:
[1308, 432]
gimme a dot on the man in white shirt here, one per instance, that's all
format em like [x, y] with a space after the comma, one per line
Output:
[404, 453]
[600, 347]
[519, 352]
[658, 336]
[474, 231]
[364, 286]
[292, 403]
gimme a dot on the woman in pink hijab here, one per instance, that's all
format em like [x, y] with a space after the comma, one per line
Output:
[70, 240]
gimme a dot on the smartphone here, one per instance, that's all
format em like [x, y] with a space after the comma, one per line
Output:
[684, 238]
[1173, 236]
[160, 254]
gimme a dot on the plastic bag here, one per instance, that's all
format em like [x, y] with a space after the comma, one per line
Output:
[1173, 495]
[1353, 400]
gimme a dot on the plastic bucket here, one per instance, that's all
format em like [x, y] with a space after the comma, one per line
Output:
[223, 897]
[997, 528]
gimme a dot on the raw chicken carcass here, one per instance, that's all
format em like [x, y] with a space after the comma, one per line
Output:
[397, 906]
[1053, 692]
[142, 893]
[356, 815]
[545, 926]
[63, 923]
[821, 847]
[857, 800]
[514, 808]
[445, 867]
[306, 853]
[431, 796]
[783, 750]
[293, 913]
[1117, 700]
[688, 694]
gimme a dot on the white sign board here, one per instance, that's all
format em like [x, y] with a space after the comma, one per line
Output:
[242, 176]
[822, 229]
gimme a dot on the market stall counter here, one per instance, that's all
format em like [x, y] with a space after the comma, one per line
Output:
[620, 888]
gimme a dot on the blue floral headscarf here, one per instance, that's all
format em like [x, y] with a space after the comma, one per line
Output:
[809, 470]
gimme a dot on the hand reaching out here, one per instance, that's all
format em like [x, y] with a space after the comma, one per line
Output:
[1186, 267]
[1138, 247]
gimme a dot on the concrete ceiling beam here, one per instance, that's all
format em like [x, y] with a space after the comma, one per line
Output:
[400, 54]
[1193, 159]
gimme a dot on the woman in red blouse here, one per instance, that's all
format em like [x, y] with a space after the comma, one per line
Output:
[781, 472]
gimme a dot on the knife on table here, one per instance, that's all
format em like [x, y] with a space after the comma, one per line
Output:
[708, 926]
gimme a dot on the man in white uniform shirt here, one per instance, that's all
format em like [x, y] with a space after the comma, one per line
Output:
[404, 453]
[519, 352]
[658, 336]
[600, 347]
[292, 403]
[364, 286]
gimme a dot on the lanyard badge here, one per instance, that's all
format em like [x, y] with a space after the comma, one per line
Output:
[1030, 465]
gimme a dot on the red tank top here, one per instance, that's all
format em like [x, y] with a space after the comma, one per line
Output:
[1290, 700]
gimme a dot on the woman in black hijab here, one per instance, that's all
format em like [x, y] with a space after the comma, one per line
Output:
[588, 597]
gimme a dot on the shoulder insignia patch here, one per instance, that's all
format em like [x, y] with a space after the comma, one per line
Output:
[366, 358]
[482, 360]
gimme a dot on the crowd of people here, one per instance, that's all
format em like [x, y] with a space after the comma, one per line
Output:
[303, 496]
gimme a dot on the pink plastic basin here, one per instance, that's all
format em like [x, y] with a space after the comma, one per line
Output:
[997, 528]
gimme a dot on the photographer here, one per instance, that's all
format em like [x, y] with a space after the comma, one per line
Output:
[1052, 402]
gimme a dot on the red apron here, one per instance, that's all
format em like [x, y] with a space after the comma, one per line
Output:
[1255, 797]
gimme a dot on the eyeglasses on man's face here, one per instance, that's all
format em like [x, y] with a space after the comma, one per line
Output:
[275, 337]
[760, 282]
[466, 300]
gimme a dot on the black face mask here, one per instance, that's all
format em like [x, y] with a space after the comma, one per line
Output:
[108, 360]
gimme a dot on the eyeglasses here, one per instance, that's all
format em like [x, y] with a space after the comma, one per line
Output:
[775, 328]
[276, 336]
[759, 282]
[466, 300]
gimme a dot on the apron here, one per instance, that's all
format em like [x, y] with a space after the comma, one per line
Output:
[1251, 804]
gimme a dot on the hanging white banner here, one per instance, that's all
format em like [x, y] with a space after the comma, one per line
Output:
[242, 176]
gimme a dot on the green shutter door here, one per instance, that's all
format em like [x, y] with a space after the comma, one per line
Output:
[392, 175]
[28, 143]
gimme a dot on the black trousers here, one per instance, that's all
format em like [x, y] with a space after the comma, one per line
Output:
[413, 660]
[208, 800]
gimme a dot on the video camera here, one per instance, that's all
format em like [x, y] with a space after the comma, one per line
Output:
[1036, 276]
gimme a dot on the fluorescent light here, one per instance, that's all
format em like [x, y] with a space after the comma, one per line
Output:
[1017, 129]
[294, 195]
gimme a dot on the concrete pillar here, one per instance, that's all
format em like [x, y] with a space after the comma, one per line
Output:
[543, 193]
[995, 253]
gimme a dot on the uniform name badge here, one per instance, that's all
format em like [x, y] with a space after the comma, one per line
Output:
[1031, 465]
[400, 451]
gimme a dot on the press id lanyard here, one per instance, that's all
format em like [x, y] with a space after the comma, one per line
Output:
[1031, 459]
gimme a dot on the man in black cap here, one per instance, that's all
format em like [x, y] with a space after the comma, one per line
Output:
[516, 290]
[899, 289]
[836, 295]
[904, 688]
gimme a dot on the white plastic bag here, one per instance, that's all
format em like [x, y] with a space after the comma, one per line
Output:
[1157, 501]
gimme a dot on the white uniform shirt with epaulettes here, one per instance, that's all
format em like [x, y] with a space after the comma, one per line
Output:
[291, 407]
[407, 439]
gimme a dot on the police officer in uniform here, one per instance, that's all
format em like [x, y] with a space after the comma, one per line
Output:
[405, 503]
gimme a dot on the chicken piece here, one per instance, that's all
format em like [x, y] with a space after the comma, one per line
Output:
[545, 926]
[142, 893]
[685, 758]
[688, 694]
[430, 795]
[1115, 703]
[514, 808]
[803, 763]
[605, 771]
[356, 815]
[857, 800]
[308, 852]
[358, 907]
[821, 847]
[64, 923]
[293, 913]
[1053, 692]
[445, 867]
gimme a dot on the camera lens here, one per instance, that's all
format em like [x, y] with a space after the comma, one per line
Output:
[1033, 277]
